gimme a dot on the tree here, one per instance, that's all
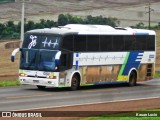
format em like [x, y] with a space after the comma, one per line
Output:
[11, 30]
[140, 25]
[62, 20]
[30, 25]
[1, 29]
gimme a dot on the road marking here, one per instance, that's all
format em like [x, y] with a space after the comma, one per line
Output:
[87, 104]
[28, 96]
[104, 90]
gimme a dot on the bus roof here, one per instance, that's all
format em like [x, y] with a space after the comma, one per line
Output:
[93, 30]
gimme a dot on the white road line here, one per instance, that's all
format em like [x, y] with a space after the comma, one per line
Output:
[87, 104]
[28, 96]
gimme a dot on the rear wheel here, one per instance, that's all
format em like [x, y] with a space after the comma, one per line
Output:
[75, 83]
[41, 87]
[132, 79]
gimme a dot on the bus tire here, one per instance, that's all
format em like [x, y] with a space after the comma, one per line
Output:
[75, 83]
[132, 79]
[41, 87]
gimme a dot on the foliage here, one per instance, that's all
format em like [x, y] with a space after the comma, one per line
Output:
[9, 83]
[4, 1]
[102, 21]
[69, 19]
[128, 116]
[9, 30]
[157, 74]
[142, 26]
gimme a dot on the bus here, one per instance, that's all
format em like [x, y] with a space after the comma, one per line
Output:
[77, 55]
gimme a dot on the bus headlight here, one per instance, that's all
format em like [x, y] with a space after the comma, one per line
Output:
[24, 75]
[51, 77]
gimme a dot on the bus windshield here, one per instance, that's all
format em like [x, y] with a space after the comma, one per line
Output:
[41, 41]
[38, 51]
[47, 60]
[33, 59]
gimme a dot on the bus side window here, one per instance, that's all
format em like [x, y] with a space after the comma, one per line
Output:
[68, 42]
[66, 61]
[150, 43]
[63, 60]
[130, 43]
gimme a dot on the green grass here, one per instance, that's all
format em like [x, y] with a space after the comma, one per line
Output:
[122, 118]
[128, 116]
[157, 74]
[9, 83]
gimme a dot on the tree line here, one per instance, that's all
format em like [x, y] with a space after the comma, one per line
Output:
[141, 25]
[10, 30]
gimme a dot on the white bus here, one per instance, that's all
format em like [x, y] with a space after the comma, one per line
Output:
[79, 55]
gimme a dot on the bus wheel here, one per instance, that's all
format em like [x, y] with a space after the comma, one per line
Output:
[74, 83]
[132, 79]
[41, 87]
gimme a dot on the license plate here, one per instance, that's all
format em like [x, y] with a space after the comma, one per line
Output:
[36, 81]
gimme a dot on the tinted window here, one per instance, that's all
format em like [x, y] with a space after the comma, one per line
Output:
[118, 43]
[93, 43]
[150, 43]
[141, 43]
[68, 42]
[106, 43]
[114, 43]
[80, 43]
[39, 41]
[130, 42]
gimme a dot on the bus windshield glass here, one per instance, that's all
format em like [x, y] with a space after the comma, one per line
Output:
[47, 60]
[41, 41]
[43, 60]
[38, 51]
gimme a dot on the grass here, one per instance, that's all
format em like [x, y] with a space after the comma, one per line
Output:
[9, 83]
[122, 118]
[157, 74]
[128, 116]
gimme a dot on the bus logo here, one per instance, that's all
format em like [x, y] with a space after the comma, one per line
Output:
[49, 43]
[33, 42]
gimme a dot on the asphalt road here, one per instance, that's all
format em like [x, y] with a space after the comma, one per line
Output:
[29, 97]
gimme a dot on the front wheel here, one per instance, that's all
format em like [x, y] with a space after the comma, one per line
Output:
[41, 87]
[132, 79]
[75, 83]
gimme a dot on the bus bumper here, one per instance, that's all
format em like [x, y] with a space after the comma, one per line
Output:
[38, 81]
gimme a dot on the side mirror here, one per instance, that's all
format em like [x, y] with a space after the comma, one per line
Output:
[57, 58]
[14, 53]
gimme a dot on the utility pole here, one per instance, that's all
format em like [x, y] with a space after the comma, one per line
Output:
[22, 22]
[149, 14]
[22, 16]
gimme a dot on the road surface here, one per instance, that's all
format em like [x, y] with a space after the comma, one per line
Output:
[29, 97]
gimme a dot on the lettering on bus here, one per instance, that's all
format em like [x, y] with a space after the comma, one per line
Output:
[50, 43]
[33, 42]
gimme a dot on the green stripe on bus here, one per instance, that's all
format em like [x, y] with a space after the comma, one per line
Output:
[63, 86]
[124, 64]
[83, 85]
